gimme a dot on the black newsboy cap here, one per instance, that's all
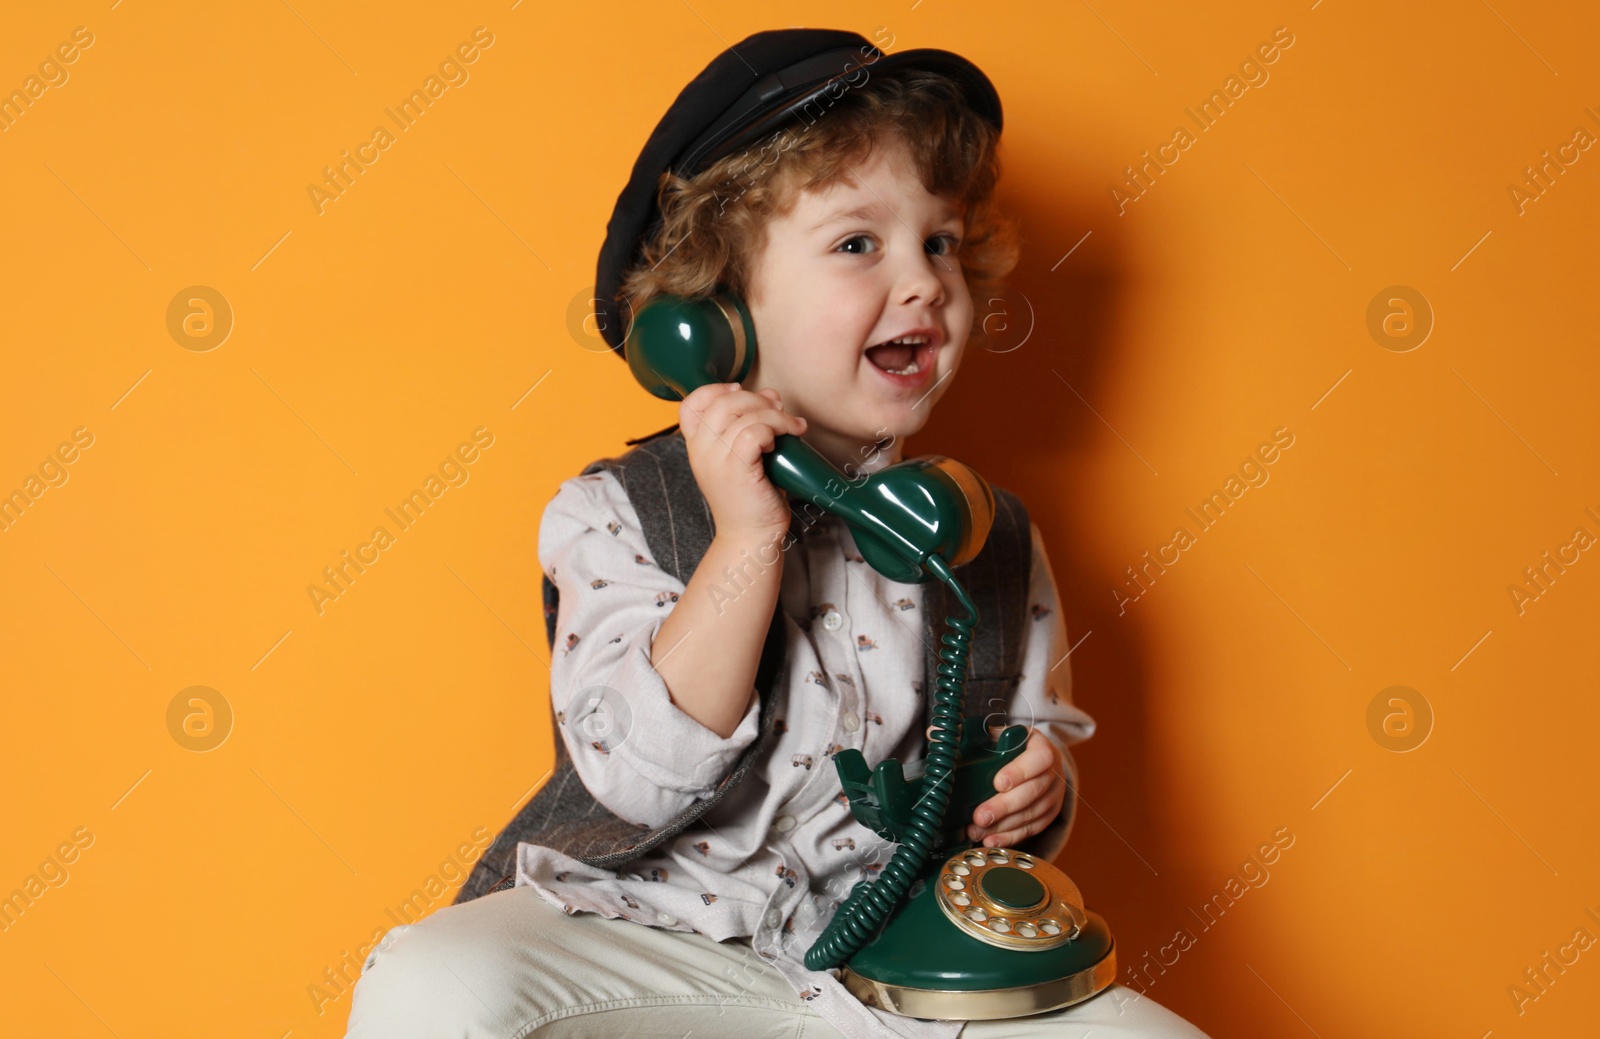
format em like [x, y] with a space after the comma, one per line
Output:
[749, 91]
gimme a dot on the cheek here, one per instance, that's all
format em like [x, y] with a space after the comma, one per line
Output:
[833, 334]
[851, 307]
[960, 317]
[961, 298]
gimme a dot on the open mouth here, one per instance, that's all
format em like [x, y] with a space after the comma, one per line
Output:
[906, 357]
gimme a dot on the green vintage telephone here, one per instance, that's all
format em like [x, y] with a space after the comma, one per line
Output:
[987, 932]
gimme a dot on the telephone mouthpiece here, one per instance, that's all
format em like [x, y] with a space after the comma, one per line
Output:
[975, 499]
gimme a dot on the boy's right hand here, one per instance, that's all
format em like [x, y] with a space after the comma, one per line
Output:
[727, 430]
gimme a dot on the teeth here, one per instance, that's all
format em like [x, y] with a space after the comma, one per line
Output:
[917, 339]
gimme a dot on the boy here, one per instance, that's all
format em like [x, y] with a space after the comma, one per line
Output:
[694, 841]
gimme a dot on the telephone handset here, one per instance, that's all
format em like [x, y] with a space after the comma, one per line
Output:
[898, 516]
[950, 929]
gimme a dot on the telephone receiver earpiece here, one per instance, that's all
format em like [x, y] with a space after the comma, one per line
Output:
[898, 516]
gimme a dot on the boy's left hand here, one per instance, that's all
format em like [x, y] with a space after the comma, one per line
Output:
[1032, 788]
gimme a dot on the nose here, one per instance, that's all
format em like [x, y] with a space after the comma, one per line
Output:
[919, 279]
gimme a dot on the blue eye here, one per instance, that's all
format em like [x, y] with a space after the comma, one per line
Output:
[853, 238]
[954, 243]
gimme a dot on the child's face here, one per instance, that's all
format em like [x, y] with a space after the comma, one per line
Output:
[820, 296]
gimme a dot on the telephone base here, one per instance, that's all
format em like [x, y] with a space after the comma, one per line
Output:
[988, 1004]
[987, 933]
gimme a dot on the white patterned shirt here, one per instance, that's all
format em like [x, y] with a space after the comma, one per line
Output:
[781, 850]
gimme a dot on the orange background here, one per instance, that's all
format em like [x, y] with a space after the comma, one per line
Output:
[1146, 354]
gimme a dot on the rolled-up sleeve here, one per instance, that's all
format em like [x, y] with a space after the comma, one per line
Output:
[634, 749]
[1043, 697]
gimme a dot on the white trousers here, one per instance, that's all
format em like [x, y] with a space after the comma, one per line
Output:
[509, 965]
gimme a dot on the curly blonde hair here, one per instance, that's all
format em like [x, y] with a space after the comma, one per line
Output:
[713, 225]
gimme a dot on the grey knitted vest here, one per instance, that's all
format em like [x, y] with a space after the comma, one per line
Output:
[678, 528]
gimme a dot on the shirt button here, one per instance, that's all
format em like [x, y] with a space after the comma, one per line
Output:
[832, 620]
[773, 917]
[667, 918]
[784, 823]
[851, 722]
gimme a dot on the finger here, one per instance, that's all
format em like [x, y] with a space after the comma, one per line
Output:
[701, 397]
[757, 433]
[1001, 805]
[724, 413]
[1026, 826]
[1051, 790]
[771, 418]
[720, 414]
[692, 409]
[1038, 757]
[1018, 827]
[1024, 823]
[749, 441]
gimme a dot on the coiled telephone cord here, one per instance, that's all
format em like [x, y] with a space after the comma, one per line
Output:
[870, 903]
